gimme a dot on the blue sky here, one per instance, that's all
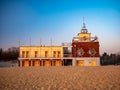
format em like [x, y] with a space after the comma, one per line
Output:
[60, 20]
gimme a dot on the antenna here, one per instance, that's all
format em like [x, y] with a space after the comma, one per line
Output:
[40, 41]
[84, 30]
[30, 46]
[19, 48]
[30, 41]
[40, 47]
[51, 41]
[51, 46]
[83, 21]
[19, 43]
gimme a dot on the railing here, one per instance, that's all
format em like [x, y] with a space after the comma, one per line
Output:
[42, 56]
[92, 39]
[66, 44]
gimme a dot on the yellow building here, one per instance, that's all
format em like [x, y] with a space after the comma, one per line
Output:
[41, 56]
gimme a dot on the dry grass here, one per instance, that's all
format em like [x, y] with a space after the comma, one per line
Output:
[60, 78]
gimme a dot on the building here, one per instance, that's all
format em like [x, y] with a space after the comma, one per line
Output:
[84, 51]
[41, 56]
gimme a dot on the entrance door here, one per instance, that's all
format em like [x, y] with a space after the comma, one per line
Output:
[58, 63]
[26, 63]
[47, 63]
[36, 63]
[80, 63]
[67, 62]
[92, 63]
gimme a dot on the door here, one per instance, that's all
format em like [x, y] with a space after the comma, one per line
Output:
[36, 63]
[58, 63]
[47, 63]
[26, 63]
[92, 63]
[80, 63]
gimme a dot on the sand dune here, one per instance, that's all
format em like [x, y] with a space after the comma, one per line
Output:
[60, 78]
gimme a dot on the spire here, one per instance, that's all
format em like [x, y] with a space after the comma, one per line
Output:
[83, 23]
[84, 30]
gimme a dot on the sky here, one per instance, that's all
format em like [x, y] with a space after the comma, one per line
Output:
[60, 20]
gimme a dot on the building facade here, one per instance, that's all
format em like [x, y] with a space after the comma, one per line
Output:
[83, 51]
[41, 56]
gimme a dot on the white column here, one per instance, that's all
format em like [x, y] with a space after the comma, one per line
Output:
[73, 62]
[20, 63]
[86, 62]
[98, 61]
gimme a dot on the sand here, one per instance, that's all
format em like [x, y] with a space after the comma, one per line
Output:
[60, 78]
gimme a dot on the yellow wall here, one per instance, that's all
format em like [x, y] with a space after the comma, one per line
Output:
[41, 51]
[81, 35]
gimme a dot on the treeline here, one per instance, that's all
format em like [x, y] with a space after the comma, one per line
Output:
[112, 59]
[10, 54]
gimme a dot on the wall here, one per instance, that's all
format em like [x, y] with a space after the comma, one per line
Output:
[43, 51]
[86, 46]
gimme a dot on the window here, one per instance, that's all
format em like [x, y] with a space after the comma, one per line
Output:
[46, 53]
[27, 54]
[84, 38]
[23, 54]
[59, 53]
[36, 54]
[54, 54]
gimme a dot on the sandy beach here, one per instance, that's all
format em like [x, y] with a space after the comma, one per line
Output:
[60, 78]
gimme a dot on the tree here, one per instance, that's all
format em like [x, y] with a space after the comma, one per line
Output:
[112, 59]
[1, 54]
[13, 53]
[10, 54]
